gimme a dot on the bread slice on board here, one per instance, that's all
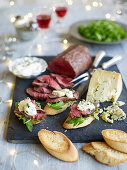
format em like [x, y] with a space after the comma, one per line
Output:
[116, 139]
[105, 154]
[58, 145]
[51, 111]
[70, 126]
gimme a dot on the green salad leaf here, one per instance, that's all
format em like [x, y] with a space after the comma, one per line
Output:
[58, 105]
[102, 31]
[28, 123]
[77, 120]
[16, 104]
[38, 104]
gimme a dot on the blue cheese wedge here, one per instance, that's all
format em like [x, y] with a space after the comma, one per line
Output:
[104, 86]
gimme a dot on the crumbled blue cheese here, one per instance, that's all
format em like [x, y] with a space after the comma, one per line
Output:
[113, 112]
[105, 116]
[28, 107]
[119, 103]
[85, 105]
[64, 92]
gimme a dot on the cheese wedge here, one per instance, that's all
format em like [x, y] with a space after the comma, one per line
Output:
[104, 86]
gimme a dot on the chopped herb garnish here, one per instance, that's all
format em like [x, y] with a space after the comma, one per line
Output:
[28, 105]
[16, 104]
[38, 104]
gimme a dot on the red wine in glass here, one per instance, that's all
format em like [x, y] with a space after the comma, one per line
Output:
[43, 20]
[61, 11]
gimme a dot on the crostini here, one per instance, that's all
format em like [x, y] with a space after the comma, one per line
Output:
[59, 100]
[81, 115]
[30, 112]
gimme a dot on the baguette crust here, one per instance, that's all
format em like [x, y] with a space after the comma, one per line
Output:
[51, 111]
[67, 152]
[70, 126]
[116, 139]
[104, 154]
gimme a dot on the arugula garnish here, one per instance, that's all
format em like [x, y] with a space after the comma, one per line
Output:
[58, 105]
[28, 123]
[16, 104]
[80, 120]
[77, 120]
[38, 104]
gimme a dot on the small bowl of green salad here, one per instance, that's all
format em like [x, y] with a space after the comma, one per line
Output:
[100, 31]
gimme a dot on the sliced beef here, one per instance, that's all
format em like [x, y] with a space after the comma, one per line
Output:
[36, 95]
[53, 98]
[43, 89]
[74, 112]
[37, 83]
[49, 81]
[62, 80]
[72, 61]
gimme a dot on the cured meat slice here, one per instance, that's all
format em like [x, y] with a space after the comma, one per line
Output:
[72, 61]
[47, 80]
[62, 80]
[36, 95]
[43, 89]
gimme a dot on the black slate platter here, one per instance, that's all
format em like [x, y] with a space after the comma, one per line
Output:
[18, 133]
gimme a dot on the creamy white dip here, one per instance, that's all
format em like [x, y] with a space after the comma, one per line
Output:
[28, 66]
[64, 92]
[28, 107]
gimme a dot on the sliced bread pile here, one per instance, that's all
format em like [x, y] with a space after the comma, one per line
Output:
[111, 152]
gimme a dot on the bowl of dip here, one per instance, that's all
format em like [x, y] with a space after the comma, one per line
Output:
[28, 67]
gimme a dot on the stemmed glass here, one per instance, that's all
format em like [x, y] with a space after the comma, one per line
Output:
[42, 15]
[60, 9]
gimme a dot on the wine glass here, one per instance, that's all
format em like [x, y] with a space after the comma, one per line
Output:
[60, 10]
[42, 15]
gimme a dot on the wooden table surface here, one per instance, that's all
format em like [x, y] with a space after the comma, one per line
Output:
[34, 156]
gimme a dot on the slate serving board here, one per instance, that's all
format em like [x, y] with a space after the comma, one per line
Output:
[18, 133]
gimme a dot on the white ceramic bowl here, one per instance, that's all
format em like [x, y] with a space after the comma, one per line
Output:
[15, 62]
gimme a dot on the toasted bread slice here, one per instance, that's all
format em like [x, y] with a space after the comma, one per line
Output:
[107, 155]
[88, 148]
[58, 145]
[70, 126]
[116, 139]
[104, 154]
[33, 121]
[51, 111]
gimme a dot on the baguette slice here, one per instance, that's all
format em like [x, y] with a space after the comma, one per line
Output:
[116, 139]
[70, 126]
[58, 145]
[104, 154]
[88, 148]
[51, 111]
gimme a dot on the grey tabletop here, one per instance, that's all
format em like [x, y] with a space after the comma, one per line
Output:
[34, 156]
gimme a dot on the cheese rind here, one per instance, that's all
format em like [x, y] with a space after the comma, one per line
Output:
[104, 86]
